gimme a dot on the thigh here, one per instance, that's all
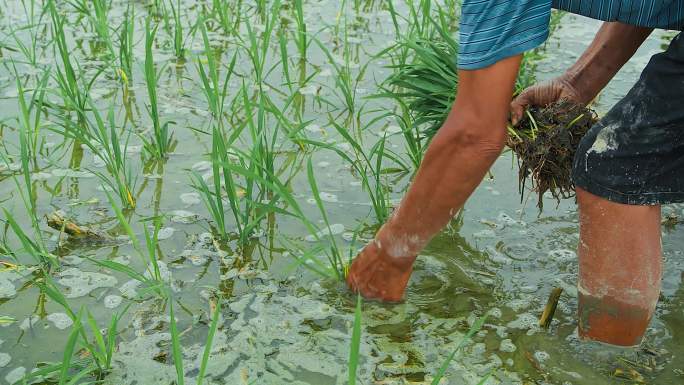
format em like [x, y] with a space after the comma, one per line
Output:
[635, 154]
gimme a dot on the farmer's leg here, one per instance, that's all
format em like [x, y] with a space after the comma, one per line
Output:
[619, 269]
[627, 165]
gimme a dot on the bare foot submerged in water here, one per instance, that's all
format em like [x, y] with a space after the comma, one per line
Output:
[376, 275]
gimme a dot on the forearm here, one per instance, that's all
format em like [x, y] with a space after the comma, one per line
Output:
[614, 44]
[456, 161]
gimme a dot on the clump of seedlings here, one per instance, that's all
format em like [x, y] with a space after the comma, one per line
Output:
[545, 142]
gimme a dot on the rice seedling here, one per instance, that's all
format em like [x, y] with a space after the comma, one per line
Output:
[345, 82]
[96, 362]
[368, 165]
[175, 345]
[355, 343]
[214, 90]
[31, 118]
[152, 279]
[300, 34]
[159, 144]
[207, 346]
[100, 135]
[100, 22]
[74, 97]
[227, 14]
[430, 81]
[175, 28]
[126, 45]
[33, 244]
[477, 325]
[30, 49]
[545, 142]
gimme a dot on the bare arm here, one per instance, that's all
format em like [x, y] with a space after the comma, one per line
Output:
[456, 161]
[615, 43]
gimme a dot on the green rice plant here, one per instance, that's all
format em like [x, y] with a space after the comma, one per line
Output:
[207, 346]
[282, 201]
[345, 82]
[100, 134]
[100, 22]
[30, 118]
[214, 90]
[159, 144]
[33, 244]
[430, 81]
[425, 78]
[154, 284]
[300, 34]
[227, 14]
[477, 325]
[368, 165]
[30, 49]
[175, 28]
[175, 344]
[97, 364]
[74, 97]
[355, 343]
[336, 264]
[126, 45]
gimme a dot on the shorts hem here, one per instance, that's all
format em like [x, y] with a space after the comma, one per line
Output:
[635, 199]
[506, 52]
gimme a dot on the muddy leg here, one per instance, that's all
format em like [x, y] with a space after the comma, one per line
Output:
[620, 268]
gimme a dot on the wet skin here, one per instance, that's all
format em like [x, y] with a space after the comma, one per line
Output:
[465, 147]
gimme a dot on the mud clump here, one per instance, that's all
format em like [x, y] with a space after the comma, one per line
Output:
[545, 141]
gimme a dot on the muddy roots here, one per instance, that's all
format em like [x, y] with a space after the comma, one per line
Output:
[545, 142]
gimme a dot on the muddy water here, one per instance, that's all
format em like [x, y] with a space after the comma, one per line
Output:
[282, 324]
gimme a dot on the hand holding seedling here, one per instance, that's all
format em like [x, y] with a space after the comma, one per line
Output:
[543, 94]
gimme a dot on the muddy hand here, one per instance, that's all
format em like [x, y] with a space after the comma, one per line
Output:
[376, 275]
[543, 94]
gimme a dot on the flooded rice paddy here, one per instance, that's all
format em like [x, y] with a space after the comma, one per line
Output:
[135, 187]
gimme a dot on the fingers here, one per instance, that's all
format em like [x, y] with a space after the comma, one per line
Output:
[518, 106]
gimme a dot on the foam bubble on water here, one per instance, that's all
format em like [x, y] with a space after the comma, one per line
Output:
[191, 198]
[315, 128]
[41, 175]
[29, 322]
[80, 283]
[122, 259]
[520, 304]
[4, 359]
[524, 321]
[112, 301]
[7, 289]
[201, 166]
[165, 233]
[183, 216]
[72, 260]
[507, 346]
[563, 255]
[15, 375]
[334, 229]
[310, 90]
[486, 233]
[541, 356]
[60, 320]
[65, 172]
[328, 197]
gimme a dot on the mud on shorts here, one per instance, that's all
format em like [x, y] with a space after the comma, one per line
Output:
[635, 154]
